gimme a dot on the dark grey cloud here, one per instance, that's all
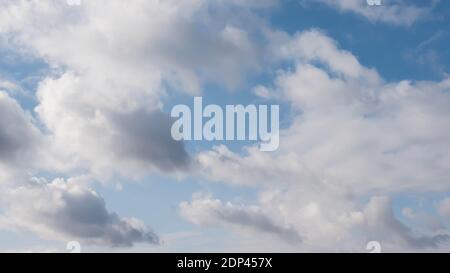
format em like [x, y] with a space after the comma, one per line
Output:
[70, 210]
[144, 136]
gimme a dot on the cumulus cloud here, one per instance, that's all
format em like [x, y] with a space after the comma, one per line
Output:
[335, 133]
[98, 106]
[353, 135]
[111, 66]
[89, 131]
[70, 210]
[104, 95]
[167, 42]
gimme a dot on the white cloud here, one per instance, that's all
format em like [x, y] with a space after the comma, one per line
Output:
[90, 131]
[336, 133]
[103, 101]
[111, 63]
[167, 42]
[353, 135]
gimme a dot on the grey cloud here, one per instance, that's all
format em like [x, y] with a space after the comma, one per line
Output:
[257, 221]
[70, 210]
[18, 136]
[145, 136]
[211, 212]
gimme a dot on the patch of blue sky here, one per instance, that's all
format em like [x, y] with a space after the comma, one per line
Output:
[24, 71]
[156, 200]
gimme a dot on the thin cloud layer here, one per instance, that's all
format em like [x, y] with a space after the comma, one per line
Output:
[396, 12]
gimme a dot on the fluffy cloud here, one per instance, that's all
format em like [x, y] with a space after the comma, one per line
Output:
[102, 102]
[69, 210]
[335, 133]
[353, 135]
[355, 140]
[169, 41]
[92, 133]
[110, 66]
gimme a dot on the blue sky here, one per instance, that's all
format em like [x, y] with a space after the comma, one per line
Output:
[330, 186]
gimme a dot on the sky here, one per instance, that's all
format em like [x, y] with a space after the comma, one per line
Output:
[86, 154]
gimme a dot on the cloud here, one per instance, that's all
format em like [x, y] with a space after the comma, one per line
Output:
[11, 87]
[381, 219]
[209, 212]
[102, 100]
[169, 43]
[145, 136]
[18, 134]
[395, 12]
[99, 105]
[443, 207]
[335, 131]
[253, 3]
[314, 46]
[69, 210]
[20, 140]
[353, 136]
[89, 131]
[110, 65]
